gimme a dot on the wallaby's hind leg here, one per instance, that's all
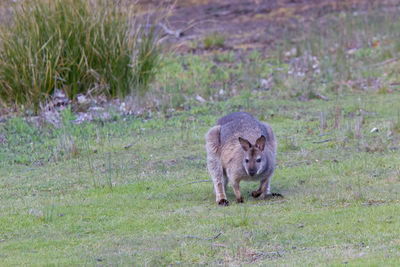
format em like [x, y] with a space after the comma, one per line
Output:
[235, 184]
[214, 165]
[215, 169]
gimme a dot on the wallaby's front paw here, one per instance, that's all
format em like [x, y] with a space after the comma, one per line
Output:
[256, 193]
[240, 200]
[223, 202]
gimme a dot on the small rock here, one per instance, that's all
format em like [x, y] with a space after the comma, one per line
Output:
[59, 94]
[200, 99]
[291, 52]
[35, 212]
[267, 84]
[102, 99]
[60, 99]
[352, 51]
[81, 99]
[81, 117]
[52, 117]
[104, 116]
[96, 109]
[122, 108]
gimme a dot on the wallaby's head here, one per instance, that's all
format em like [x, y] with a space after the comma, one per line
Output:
[254, 160]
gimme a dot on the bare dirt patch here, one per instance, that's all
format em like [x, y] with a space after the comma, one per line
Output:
[249, 24]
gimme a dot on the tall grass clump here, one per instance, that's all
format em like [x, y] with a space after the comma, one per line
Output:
[77, 46]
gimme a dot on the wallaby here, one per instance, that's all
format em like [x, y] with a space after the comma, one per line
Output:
[239, 148]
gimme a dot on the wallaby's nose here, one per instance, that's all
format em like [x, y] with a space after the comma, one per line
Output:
[252, 172]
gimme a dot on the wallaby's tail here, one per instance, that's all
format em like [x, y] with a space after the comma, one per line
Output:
[213, 141]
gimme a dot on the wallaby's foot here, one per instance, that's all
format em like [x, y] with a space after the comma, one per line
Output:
[272, 195]
[256, 193]
[223, 202]
[240, 200]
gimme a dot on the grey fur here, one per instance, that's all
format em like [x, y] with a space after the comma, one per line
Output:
[229, 159]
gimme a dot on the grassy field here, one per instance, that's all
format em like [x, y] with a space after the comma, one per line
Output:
[153, 203]
[135, 190]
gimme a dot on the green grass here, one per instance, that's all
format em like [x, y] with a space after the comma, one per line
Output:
[214, 40]
[74, 46]
[136, 205]
[75, 195]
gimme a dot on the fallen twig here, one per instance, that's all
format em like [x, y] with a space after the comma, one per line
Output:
[196, 237]
[218, 235]
[192, 182]
[322, 141]
[218, 245]
[318, 95]
[264, 203]
[203, 238]
[177, 33]
[129, 146]
[274, 253]
[384, 62]
[293, 164]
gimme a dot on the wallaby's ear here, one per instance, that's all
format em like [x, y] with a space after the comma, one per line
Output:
[260, 143]
[244, 143]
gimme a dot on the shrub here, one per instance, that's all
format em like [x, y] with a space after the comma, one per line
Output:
[77, 46]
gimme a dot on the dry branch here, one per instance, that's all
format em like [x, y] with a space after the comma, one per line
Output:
[203, 238]
[322, 141]
[192, 182]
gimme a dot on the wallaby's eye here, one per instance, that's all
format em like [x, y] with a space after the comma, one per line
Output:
[258, 160]
[247, 160]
